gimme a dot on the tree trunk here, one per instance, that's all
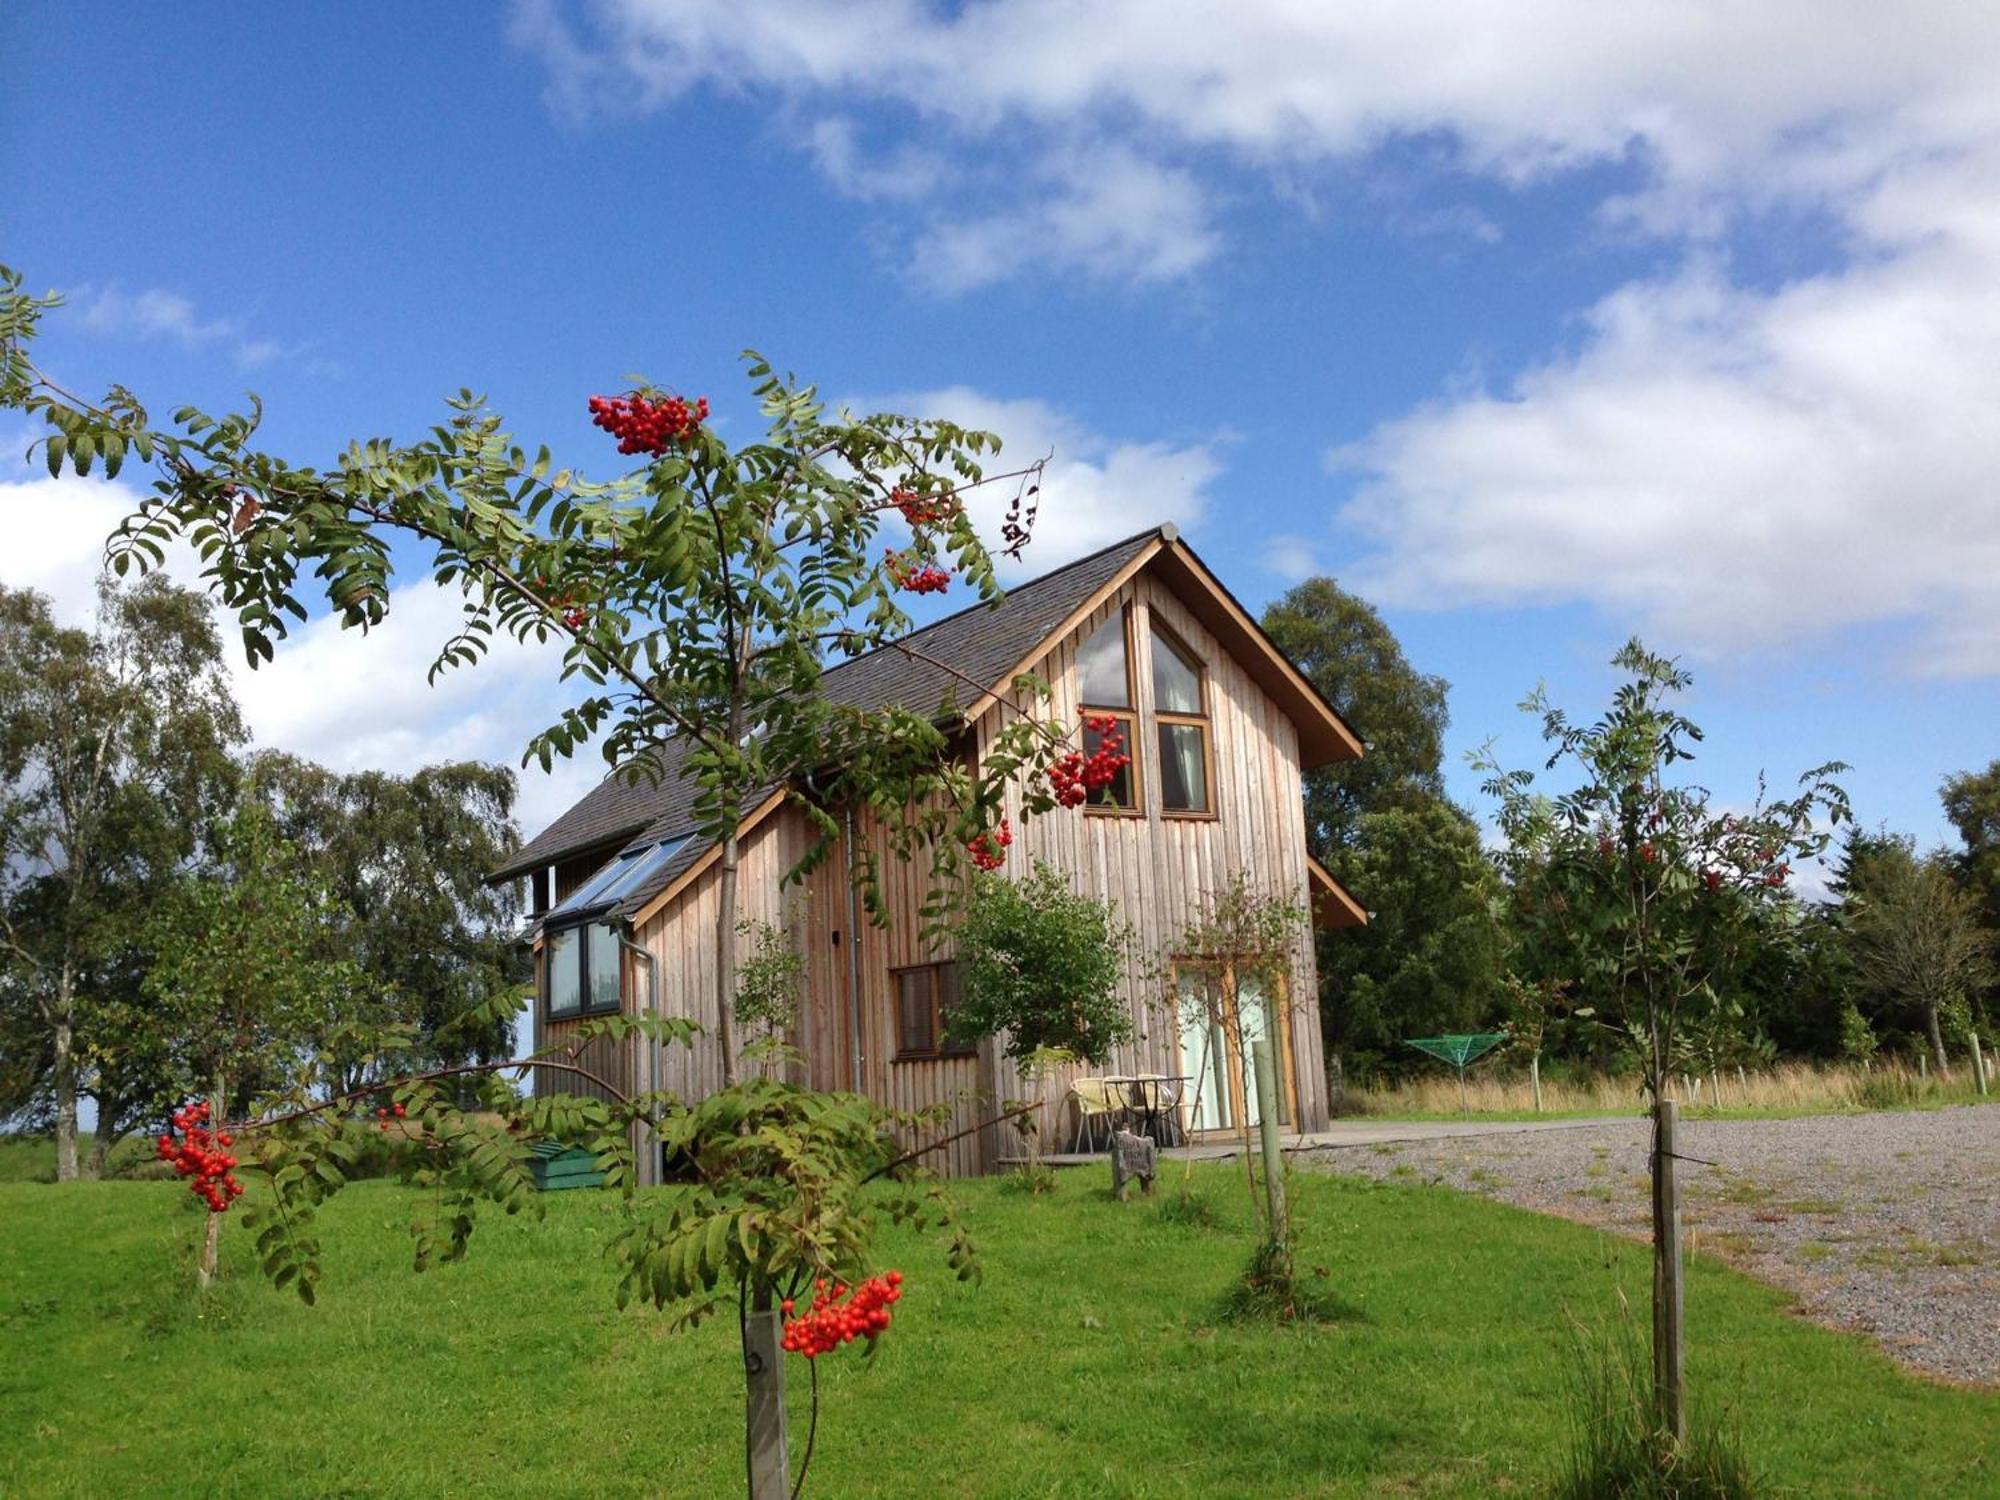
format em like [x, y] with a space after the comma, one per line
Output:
[1669, 1351]
[1937, 1039]
[62, 1070]
[725, 959]
[211, 1234]
[101, 1142]
[767, 1463]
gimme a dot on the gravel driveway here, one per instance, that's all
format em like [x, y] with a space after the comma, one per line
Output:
[1885, 1223]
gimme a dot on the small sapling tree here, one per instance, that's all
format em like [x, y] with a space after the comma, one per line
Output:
[1636, 903]
[770, 981]
[1230, 978]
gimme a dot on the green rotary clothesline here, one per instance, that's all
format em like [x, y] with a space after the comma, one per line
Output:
[1460, 1051]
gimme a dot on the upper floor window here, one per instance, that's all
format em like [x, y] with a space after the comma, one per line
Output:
[1180, 707]
[1104, 690]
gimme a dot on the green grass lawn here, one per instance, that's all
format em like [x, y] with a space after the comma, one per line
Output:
[1091, 1362]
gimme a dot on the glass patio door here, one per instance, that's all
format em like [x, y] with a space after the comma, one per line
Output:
[1204, 1050]
[1221, 1017]
[1257, 1021]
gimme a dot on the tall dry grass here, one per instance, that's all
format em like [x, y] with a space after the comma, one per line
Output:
[1793, 1088]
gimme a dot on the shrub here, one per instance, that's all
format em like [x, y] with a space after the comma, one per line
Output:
[1042, 964]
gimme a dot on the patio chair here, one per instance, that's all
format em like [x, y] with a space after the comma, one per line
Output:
[1099, 1104]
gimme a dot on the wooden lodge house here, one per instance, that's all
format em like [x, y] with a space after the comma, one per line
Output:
[1220, 726]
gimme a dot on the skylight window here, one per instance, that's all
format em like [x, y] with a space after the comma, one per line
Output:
[619, 878]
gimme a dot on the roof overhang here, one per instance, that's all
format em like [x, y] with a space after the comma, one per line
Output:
[1323, 735]
[1333, 907]
[516, 867]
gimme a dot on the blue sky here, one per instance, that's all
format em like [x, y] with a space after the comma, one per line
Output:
[1538, 330]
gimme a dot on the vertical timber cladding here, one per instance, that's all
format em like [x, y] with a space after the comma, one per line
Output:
[681, 937]
[1158, 871]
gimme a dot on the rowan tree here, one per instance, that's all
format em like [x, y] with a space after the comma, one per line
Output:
[697, 598]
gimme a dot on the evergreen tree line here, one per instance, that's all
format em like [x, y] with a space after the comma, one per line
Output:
[1897, 956]
[181, 916]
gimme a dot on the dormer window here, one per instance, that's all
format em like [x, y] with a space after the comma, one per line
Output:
[1180, 712]
[1104, 690]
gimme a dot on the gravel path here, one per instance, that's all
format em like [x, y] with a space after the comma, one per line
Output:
[1885, 1223]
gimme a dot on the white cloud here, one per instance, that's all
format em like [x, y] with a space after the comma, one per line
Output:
[1725, 103]
[1106, 212]
[354, 701]
[154, 313]
[1292, 558]
[1734, 469]
[1095, 491]
[151, 313]
[334, 696]
[1729, 463]
[902, 174]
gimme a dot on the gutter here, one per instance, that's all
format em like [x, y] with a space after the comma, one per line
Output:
[853, 962]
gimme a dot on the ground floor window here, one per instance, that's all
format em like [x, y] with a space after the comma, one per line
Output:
[1223, 1013]
[925, 998]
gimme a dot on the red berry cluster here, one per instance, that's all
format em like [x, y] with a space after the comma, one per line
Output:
[988, 850]
[835, 1318]
[383, 1117]
[645, 426]
[202, 1156]
[573, 615]
[1073, 778]
[928, 579]
[921, 510]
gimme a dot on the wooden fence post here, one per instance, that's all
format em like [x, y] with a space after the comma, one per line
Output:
[1978, 1065]
[1267, 1127]
[1669, 1350]
[769, 1463]
[1535, 1077]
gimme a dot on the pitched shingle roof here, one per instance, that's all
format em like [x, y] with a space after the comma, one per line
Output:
[983, 643]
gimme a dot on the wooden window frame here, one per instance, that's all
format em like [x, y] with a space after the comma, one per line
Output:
[940, 1049]
[584, 1010]
[1201, 721]
[1128, 717]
